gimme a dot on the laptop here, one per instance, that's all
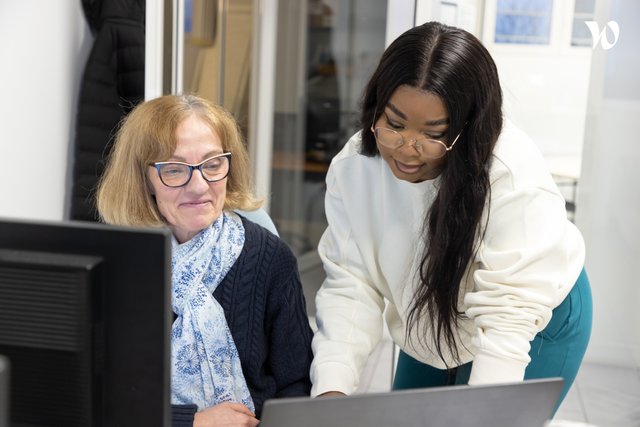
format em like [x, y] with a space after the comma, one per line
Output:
[524, 404]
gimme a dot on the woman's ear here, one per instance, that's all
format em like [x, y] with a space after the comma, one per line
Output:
[147, 183]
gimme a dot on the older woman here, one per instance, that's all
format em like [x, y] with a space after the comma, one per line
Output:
[241, 333]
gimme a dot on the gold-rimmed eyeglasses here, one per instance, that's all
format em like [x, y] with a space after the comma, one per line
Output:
[178, 174]
[426, 147]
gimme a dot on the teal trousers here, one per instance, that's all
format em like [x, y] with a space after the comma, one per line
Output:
[556, 351]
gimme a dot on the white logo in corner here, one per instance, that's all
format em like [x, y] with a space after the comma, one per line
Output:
[601, 36]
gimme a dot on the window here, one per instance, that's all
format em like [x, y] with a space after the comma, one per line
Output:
[584, 11]
[523, 21]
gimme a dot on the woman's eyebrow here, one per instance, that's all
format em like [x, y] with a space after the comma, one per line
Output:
[437, 122]
[396, 110]
[206, 156]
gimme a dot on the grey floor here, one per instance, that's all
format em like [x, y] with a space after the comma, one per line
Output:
[601, 396]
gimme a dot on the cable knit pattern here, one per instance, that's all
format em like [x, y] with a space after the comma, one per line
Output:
[264, 306]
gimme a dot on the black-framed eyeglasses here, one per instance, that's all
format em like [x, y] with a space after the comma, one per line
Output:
[178, 174]
[426, 147]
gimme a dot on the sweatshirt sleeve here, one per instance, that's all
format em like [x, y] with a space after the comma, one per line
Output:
[348, 306]
[529, 259]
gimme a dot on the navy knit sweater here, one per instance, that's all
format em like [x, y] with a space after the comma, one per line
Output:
[265, 308]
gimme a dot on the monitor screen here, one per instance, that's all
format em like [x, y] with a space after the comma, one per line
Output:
[85, 321]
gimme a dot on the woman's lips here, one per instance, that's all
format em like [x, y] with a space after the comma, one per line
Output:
[196, 204]
[408, 169]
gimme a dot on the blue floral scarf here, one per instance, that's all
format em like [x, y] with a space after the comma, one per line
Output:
[205, 366]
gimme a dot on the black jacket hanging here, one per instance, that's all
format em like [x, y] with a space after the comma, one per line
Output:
[112, 84]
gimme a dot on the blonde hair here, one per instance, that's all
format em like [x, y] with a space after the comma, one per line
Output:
[147, 135]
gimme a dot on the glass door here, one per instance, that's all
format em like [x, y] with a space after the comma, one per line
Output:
[204, 47]
[216, 53]
[292, 72]
[326, 50]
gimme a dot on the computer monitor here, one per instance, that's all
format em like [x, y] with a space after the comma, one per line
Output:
[4, 391]
[85, 321]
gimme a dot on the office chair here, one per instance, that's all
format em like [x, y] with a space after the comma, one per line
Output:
[260, 217]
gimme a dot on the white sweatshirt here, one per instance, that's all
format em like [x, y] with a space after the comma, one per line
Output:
[529, 259]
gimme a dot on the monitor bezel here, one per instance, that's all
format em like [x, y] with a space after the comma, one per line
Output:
[137, 320]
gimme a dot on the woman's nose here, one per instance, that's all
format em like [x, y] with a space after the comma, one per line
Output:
[410, 144]
[197, 181]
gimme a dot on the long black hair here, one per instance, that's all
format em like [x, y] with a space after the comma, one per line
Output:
[454, 65]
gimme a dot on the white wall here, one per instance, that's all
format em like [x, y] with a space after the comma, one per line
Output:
[546, 95]
[545, 87]
[467, 14]
[608, 196]
[43, 46]
[400, 18]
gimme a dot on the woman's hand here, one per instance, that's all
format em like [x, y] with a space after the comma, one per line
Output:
[226, 414]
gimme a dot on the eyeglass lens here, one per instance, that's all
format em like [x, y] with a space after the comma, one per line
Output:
[425, 147]
[178, 174]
